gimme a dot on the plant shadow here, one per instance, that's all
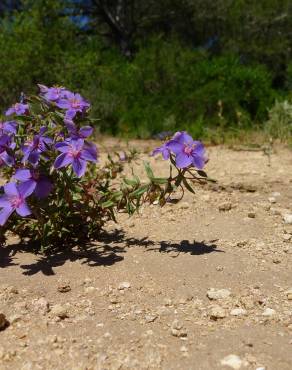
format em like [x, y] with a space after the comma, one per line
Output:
[106, 252]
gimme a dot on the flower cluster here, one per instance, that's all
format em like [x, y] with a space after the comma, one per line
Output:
[35, 151]
[187, 151]
[62, 199]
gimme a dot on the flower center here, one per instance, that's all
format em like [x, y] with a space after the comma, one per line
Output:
[188, 149]
[75, 103]
[16, 201]
[75, 153]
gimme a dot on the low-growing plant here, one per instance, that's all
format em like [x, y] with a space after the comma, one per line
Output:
[279, 124]
[58, 195]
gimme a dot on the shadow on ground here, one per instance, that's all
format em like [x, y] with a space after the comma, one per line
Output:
[106, 252]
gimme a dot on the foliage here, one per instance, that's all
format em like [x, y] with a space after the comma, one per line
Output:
[167, 86]
[61, 199]
[279, 124]
[152, 66]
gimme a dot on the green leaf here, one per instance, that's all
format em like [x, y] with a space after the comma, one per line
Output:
[188, 186]
[202, 173]
[107, 204]
[148, 170]
[159, 180]
[132, 182]
[139, 192]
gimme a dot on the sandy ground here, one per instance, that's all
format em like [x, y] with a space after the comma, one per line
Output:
[203, 284]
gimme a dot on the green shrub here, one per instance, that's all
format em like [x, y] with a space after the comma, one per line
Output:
[279, 124]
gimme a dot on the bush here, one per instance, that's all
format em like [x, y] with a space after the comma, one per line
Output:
[168, 86]
[62, 197]
[165, 87]
[279, 124]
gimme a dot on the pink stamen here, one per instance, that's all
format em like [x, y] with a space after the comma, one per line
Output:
[16, 201]
[188, 149]
[74, 153]
[75, 103]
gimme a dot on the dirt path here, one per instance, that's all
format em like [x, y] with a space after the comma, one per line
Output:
[139, 298]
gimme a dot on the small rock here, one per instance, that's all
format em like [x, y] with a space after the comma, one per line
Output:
[4, 323]
[288, 219]
[42, 305]
[59, 311]
[184, 205]
[64, 287]
[276, 260]
[14, 318]
[87, 281]
[217, 312]
[124, 285]
[183, 349]
[275, 211]
[289, 294]
[272, 200]
[268, 312]
[89, 289]
[215, 294]
[177, 329]
[150, 318]
[238, 312]
[227, 206]
[11, 289]
[251, 214]
[287, 237]
[233, 361]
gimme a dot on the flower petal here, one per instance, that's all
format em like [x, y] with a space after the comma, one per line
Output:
[182, 160]
[79, 167]
[4, 201]
[11, 189]
[183, 138]
[22, 175]
[5, 214]
[89, 153]
[199, 161]
[43, 188]
[175, 146]
[9, 111]
[63, 104]
[70, 114]
[26, 188]
[85, 131]
[63, 146]
[7, 159]
[23, 210]
[63, 160]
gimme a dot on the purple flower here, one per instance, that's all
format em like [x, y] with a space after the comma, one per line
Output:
[5, 147]
[5, 140]
[187, 151]
[75, 153]
[32, 149]
[76, 133]
[73, 103]
[6, 159]
[164, 150]
[14, 200]
[9, 127]
[41, 184]
[53, 93]
[17, 109]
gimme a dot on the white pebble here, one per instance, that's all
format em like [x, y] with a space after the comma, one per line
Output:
[233, 361]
